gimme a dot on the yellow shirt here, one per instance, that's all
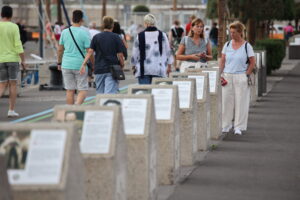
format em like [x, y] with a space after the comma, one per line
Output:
[10, 43]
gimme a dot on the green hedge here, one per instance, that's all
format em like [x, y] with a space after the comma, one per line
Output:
[275, 52]
[141, 8]
[215, 53]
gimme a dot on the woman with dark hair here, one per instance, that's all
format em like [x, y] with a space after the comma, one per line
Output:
[117, 29]
[194, 50]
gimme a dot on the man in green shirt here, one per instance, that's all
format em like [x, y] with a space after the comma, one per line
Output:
[11, 51]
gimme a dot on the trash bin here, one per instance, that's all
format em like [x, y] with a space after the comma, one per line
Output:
[56, 81]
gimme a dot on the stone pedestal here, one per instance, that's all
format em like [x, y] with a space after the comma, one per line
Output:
[140, 130]
[5, 191]
[168, 127]
[215, 100]
[203, 107]
[105, 161]
[54, 166]
[188, 120]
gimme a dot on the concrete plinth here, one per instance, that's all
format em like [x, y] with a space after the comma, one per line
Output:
[36, 182]
[168, 128]
[203, 107]
[140, 130]
[215, 101]
[188, 120]
[105, 162]
[5, 191]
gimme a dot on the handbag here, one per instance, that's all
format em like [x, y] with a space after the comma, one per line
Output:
[117, 72]
[90, 69]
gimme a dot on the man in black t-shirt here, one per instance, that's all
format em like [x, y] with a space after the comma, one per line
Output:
[108, 48]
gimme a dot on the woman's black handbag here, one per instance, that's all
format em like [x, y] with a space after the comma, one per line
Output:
[116, 72]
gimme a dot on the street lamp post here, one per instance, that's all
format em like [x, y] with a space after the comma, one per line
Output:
[103, 8]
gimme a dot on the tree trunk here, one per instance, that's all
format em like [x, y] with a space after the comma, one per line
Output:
[59, 16]
[48, 8]
[251, 31]
[222, 26]
[103, 8]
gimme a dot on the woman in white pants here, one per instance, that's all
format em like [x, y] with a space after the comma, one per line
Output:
[237, 64]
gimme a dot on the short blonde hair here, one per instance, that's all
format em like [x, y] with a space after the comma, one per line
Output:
[150, 20]
[239, 27]
[108, 22]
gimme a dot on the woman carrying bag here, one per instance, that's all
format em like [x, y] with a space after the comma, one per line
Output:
[194, 50]
[237, 64]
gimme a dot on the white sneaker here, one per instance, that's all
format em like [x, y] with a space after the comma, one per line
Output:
[237, 132]
[226, 129]
[12, 113]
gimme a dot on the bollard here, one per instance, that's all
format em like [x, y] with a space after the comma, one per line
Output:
[56, 81]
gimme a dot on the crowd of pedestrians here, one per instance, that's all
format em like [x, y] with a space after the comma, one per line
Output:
[153, 53]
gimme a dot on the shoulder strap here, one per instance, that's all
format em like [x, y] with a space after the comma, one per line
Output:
[246, 49]
[175, 31]
[227, 44]
[76, 43]
[88, 64]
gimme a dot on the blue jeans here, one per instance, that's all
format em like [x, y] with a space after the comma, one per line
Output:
[147, 79]
[105, 84]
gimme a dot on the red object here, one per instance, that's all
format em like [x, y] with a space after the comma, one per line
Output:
[223, 81]
[57, 37]
[188, 28]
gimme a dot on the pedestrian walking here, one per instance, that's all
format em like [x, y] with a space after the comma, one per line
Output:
[194, 50]
[117, 30]
[213, 35]
[108, 47]
[189, 24]
[70, 59]
[151, 53]
[288, 32]
[237, 64]
[93, 29]
[175, 35]
[11, 52]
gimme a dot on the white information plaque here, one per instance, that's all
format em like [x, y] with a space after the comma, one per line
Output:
[212, 80]
[199, 85]
[96, 132]
[45, 159]
[163, 103]
[134, 114]
[184, 88]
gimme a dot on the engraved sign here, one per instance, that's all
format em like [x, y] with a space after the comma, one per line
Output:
[96, 132]
[212, 80]
[34, 157]
[163, 103]
[199, 85]
[134, 114]
[184, 88]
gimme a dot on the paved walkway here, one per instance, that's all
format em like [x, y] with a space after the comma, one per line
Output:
[262, 164]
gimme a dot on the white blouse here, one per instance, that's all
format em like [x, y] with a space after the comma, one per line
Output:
[154, 64]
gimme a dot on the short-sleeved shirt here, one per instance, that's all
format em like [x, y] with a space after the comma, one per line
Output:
[235, 60]
[72, 59]
[192, 48]
[106, 46]
[10, 42]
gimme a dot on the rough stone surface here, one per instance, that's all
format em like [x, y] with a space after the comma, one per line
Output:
[188, 137]
[168, 159]
[106, 174]
[215, 105]
[72, 185]
[203, 114]
[142, 153]
[5, 191]
[264, 162]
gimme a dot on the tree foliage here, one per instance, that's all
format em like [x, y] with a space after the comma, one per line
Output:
[141, 8]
